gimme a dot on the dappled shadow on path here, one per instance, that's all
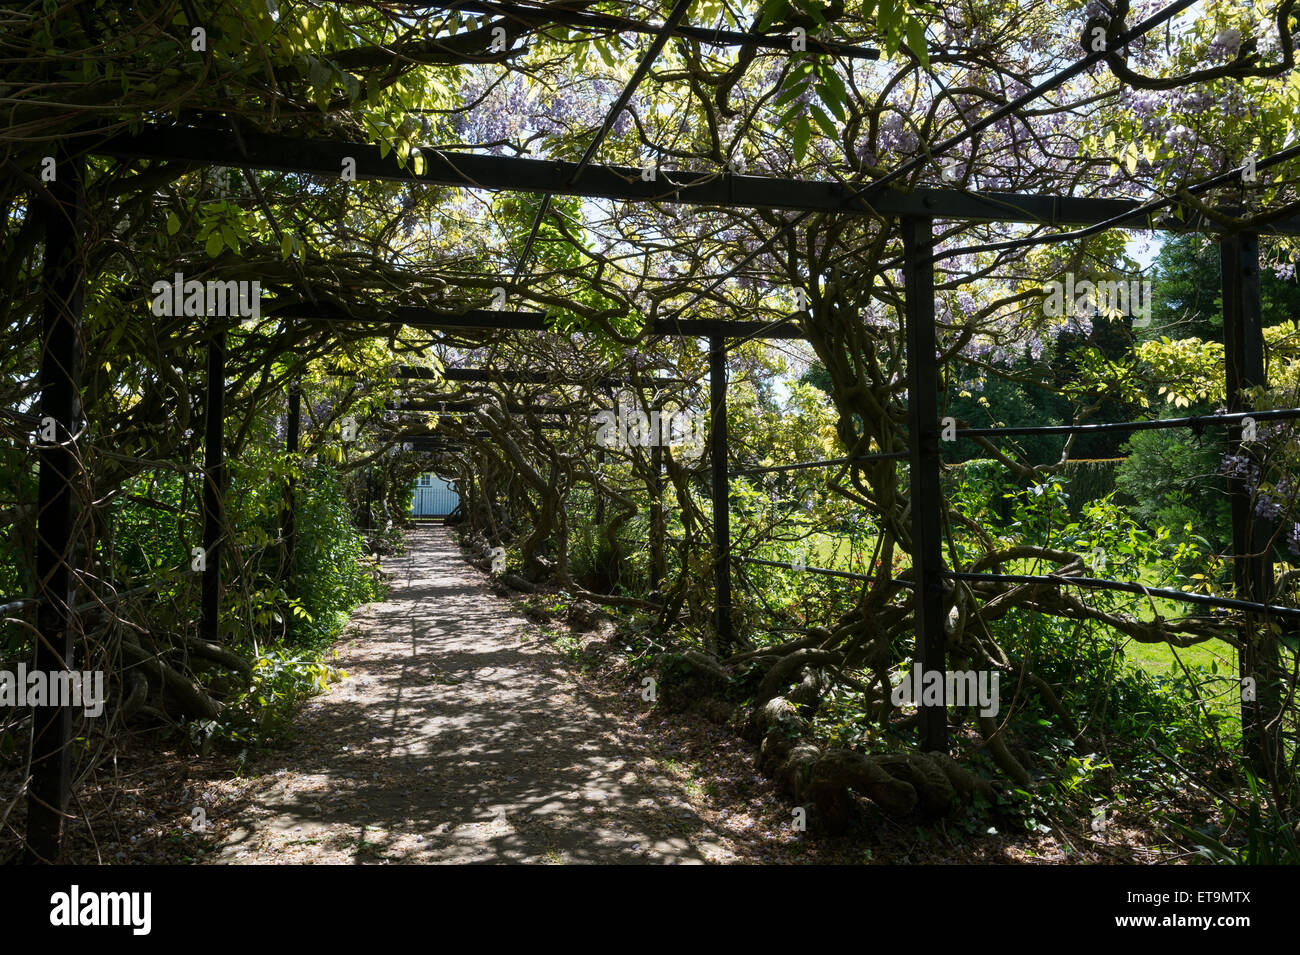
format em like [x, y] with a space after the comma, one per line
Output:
[458, 736]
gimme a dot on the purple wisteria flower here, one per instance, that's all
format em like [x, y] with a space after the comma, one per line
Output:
[1241, 467]
[1225, 44]
[1076, 324]
[1180, 137]
[1267, 507]
[895, 135]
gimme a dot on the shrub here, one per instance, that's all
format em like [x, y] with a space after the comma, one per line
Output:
[333, 573]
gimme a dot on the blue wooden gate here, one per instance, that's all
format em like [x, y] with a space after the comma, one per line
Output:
[434, 497]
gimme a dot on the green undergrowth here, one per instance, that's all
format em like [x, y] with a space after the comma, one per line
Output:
[292, 639]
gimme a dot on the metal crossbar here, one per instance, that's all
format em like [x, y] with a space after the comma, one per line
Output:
[551, 13]
[1150, 207]
[1195, 421]
[505, 375]
[1096, 583]
[624, 183]
[828, 572]
[479, 318]
[829, 462]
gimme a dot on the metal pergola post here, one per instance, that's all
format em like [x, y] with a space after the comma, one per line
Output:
[1243, 343]
[214, 476]
[721, 487]
[924, 493]
[657, 504]
[64, 283]
[289, 526]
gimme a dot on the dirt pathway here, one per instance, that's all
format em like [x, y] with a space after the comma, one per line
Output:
[459, 736]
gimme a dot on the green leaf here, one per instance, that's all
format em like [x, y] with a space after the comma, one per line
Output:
[824, 121]
[771, 10]
[887, 21]
[915, 33]
[831, 101]
[351, 84]
[802, 131]
[214, 245]
[318, 74]
[791, 90]
[173, 224]
[1131, 158]
[833, 83]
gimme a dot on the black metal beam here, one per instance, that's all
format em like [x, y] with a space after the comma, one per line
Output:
[487, 319]
[1096, 583]
[214, 483]
[429, 440]
[1195, 421]
[1151, 206]
[924, 494]
[511, 376]
[407, 436]
[1252, 565]
[475, 318]
[828, 572]
[542, 15]
[515, 174]
[721, 493]
[452, 407]
[441, 443]
[63, 280]
[827, 462]
[416, 373]
[726, 328]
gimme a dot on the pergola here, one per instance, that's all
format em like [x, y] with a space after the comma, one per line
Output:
[64, 282]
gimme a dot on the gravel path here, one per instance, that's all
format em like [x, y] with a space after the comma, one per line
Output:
[459, 735]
